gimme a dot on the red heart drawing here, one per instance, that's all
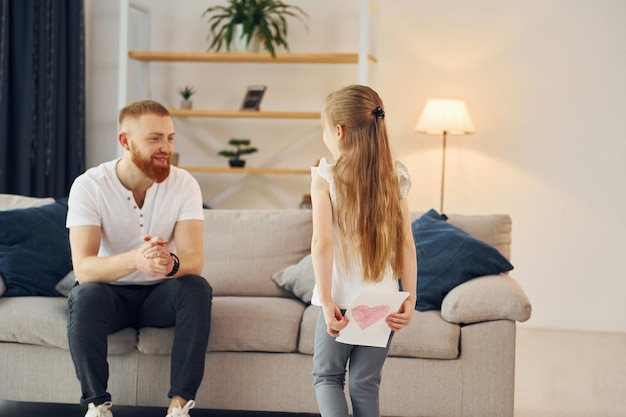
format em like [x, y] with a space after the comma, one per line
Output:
[366, 316]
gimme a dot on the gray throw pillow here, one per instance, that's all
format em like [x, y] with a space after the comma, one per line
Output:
[66, 284]
[297, 279]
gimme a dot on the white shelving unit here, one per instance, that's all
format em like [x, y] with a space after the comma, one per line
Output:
[136, 57]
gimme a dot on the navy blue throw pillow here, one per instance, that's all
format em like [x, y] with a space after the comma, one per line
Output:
[34, 249]
[448, 256]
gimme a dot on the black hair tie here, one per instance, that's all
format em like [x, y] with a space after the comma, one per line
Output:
[379, 112]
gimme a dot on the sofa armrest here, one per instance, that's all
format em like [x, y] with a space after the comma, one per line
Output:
[492, 297]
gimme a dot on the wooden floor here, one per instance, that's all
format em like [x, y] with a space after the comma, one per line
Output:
[570, 373]
[22, 409]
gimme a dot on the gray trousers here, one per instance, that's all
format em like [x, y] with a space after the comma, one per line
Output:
[329, 373]
[97, 310]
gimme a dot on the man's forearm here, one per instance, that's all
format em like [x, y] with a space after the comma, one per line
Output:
[105, 269]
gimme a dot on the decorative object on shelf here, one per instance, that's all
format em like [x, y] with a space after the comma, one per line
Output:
[263, 21]
[444, 116]
[254, 95]
[306, 202]
[174, 158]
[241, 148]
[186, 92]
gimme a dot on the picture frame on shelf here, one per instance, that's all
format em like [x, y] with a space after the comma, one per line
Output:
[254, 95]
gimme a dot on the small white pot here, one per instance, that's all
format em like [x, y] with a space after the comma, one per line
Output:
[239, 41]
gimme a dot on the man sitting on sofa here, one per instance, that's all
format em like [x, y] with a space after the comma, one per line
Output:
[135, 226]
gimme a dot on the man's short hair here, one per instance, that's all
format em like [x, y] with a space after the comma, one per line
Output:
[140, 107]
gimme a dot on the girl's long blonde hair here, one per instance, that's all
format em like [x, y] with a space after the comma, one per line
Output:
[369, 214]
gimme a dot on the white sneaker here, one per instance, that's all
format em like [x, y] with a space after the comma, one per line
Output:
[182, 412]
[101, 410]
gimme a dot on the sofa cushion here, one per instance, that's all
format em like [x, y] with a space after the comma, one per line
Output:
[307, 329]
[243, 248]
[493, 229]
[428, 336]
[491, 297]
[260, 324]
[298, 279]
[448, 256]
[34, 249]
[66, 284]
[43, 321]
[14, 201]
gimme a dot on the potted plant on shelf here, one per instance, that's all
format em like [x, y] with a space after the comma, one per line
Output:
[186, 92]
[241, 148]
[251, 22]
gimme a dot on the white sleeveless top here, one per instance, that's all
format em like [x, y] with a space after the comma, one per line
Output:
[348, 282]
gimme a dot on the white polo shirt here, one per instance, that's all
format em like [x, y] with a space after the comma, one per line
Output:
[98, 198]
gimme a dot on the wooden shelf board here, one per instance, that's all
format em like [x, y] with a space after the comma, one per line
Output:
[250, 114]
[264, 171]
[249, 57]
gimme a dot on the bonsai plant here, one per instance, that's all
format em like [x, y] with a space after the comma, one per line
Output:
[262, 19]
[241, 148]
[186, 92]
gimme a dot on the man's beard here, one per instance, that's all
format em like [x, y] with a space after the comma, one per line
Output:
[148, 166]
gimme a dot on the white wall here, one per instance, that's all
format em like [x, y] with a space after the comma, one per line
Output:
[544, 82]
[545, 85]
[101, 38]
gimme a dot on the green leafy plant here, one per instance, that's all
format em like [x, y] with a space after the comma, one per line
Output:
[186, 92]
[266, 19]
[241, 148]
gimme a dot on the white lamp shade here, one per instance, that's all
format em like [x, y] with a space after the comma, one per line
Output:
[445, 115]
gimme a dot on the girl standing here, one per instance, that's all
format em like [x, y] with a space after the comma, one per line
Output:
[362, 240]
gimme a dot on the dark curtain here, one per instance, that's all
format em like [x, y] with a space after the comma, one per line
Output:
[42, 96]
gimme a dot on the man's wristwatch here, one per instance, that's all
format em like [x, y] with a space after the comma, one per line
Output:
[176, 265]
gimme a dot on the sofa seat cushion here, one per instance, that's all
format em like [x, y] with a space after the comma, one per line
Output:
[43, 321]
[428, 336]
[259, 324]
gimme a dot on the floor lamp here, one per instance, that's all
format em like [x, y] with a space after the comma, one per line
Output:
[444, 116]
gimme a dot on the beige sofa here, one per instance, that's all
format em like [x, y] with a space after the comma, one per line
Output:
[455, 362]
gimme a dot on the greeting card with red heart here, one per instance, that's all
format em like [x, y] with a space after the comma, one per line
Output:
[365, 316]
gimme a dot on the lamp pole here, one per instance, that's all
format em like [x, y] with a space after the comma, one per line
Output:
[450, 117]
[443, 170]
